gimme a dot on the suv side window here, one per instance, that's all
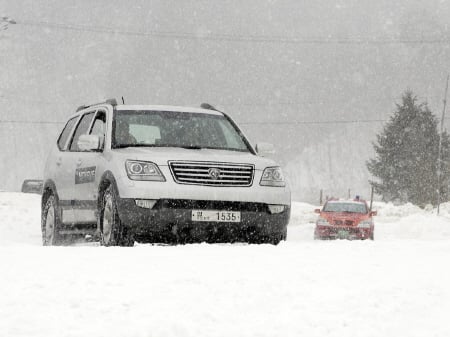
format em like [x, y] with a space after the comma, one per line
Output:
[66, 133]
[82, 129]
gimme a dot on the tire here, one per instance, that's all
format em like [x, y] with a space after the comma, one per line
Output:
[51, 223]
[276, 239]
[372, 236]
[273, 239]
[317, 236]
[112, 230]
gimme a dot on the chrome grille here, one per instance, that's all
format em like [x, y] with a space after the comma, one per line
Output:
[212, 173]
[343, 222]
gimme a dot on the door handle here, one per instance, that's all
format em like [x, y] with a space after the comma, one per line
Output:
[59, 161]
[79, 161]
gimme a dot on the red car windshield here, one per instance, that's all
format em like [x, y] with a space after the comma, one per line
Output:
[350, 207]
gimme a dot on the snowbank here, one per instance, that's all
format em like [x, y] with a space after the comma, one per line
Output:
[387, 287]
[411, 222]
[20, 218]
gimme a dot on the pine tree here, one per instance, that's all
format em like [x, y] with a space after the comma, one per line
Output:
[407, 154]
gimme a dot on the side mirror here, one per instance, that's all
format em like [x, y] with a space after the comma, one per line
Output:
[317, 210]
[373, 213]
[264, 149]
[90, 142]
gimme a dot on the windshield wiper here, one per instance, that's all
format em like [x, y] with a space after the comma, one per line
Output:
[120, 146]
[190, 147]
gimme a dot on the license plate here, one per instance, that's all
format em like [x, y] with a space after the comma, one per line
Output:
[216, 216]
[343, 234]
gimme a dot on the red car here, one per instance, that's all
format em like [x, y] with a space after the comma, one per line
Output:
[345, 219]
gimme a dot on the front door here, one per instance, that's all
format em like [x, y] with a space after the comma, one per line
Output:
[81, 173]
[88, 175]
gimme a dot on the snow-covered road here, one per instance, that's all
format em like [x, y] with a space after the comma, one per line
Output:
[397, 285]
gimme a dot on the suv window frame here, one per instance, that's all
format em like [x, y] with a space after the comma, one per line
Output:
[70, 135]
[105, 130]
[93, 112]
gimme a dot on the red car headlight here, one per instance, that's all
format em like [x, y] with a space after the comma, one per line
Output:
[322, 222]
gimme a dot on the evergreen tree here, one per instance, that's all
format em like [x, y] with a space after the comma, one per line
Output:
[407, 155]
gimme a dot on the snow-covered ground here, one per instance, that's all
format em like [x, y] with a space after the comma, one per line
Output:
[397, 285]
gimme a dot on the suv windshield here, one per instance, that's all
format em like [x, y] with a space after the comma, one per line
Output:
[345, 207]
[175, 129]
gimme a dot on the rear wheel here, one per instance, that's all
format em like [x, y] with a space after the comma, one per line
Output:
[112, 230]
[50, 223]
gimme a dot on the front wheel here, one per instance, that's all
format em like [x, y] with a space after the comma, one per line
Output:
[112, 230]
[50, 223]
[273, 239]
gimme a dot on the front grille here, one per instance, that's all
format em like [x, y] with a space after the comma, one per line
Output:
[343, 222]
[212, 205]
[212, 173]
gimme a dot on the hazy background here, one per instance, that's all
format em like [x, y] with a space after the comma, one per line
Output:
[316, 78]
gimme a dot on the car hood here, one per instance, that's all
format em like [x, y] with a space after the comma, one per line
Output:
[162, 155]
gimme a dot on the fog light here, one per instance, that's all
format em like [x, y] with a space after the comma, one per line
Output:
[145, 203]
[274, 209]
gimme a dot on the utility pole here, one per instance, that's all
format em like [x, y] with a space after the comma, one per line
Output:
[439, 163]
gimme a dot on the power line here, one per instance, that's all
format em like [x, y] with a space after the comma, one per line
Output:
[29, 122]
[13, 98]
[237, 37]
[355, 121]
[240, 123]
[351, 121]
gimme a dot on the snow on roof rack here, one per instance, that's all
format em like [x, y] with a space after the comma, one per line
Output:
[111, 101]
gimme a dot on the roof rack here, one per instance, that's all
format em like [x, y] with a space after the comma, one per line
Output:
[208, 107]
[111, 101]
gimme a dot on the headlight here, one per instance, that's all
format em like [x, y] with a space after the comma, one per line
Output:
[272, 176]
[143, 170]
[365, 223]
[322, 222]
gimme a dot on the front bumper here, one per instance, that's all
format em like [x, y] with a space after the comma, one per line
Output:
[174, 216]
[349, 233]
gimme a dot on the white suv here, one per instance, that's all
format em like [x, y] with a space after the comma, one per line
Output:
[160, 174]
